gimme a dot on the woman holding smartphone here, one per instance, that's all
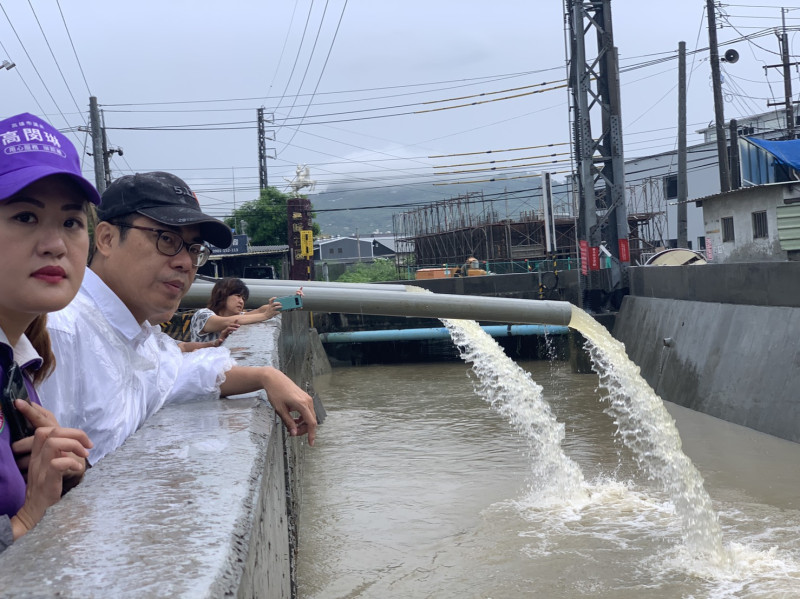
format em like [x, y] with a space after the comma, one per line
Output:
[225, 311]
[44, 242]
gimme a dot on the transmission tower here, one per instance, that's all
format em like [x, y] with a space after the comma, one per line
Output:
[602, 216]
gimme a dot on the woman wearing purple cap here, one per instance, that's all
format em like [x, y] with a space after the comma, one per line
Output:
[44, 243]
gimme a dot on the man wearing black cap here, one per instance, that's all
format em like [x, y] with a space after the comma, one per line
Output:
[115, 369]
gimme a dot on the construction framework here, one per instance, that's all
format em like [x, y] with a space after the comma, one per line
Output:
[450, 231]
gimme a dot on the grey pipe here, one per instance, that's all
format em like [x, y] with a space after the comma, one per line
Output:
[404, 303]
[293, 285]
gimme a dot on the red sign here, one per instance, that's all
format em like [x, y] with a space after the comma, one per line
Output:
[584, 257]
[624, 250]
[594, 258]
[709, 250]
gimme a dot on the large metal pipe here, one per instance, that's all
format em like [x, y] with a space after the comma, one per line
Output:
[292, 285]
[509, 330]
[404, 303]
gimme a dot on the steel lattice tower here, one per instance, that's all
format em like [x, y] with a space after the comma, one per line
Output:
[600, 174]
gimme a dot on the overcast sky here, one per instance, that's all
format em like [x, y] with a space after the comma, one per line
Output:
[356, 88]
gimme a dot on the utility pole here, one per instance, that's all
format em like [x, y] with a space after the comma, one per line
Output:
[719, 112]
[683, 186]
[262, 151]
[787, 79]
[106, 153]
[736, 171]
[97, 145]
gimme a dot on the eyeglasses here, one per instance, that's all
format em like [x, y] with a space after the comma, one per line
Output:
[170, 243]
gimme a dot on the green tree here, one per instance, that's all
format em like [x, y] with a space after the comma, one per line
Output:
[265, 218]
[380, 270]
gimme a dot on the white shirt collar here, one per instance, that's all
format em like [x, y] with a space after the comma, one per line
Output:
[24, 353]
[111, 307]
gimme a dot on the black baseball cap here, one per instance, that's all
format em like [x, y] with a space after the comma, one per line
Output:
[166, 199]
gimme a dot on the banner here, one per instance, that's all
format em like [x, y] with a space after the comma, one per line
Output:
[584, 245]
[594, 258]
[624, 250]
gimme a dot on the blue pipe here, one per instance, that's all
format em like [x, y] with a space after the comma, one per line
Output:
[509, 330]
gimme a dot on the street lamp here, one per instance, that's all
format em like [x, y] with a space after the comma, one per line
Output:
[7, 65]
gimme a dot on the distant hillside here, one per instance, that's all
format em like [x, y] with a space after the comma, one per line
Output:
[342, 212]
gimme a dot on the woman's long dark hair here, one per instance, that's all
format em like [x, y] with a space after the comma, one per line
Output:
[225, 288]
[40, 339]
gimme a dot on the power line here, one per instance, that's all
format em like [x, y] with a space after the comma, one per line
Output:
[25, 83]
[322, 71]
[24, 49]
[75, 52]
[311, 57]
[297, 57]
[283, 50]
[233, 124]
[477, 80]
[55, 60]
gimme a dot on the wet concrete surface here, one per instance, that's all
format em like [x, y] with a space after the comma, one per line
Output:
[182, 509]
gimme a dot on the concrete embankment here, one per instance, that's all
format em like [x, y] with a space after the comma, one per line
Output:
[202, 501]
[720, 339]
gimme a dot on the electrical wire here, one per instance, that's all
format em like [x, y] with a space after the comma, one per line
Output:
[321, 73]
[25, 83]
[297, 56]
[55, 60]
[74, 52]
[283, 50]
[311, 57]
[24, 49]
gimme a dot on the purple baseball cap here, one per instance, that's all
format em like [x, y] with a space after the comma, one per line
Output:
[31, 149]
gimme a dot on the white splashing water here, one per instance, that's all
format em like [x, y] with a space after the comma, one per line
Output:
[510, 390]
[646, 427]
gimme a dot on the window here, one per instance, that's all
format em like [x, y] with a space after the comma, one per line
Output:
[671, 187]
[330, 251]
[727, 229]
[760, 225]
[340, 250]
[701, 243]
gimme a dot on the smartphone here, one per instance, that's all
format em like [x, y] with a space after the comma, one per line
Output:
[18, 425]
[290, 302]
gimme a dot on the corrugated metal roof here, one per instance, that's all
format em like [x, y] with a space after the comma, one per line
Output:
[740, 191]
[789, 226]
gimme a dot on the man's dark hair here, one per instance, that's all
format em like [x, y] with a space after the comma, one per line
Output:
[225, 288]
[123, 231]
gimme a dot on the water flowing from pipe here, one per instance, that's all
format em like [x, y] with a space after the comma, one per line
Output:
[556, 479]
[649, 431]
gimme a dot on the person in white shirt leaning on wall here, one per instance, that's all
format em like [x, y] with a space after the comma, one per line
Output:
[115, 369]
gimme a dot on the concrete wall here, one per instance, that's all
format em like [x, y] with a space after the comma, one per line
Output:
[200, 502]
[735, 359]
[753, 283]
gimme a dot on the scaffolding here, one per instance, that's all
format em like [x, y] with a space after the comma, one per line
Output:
[450, 231]
[469, 225]
[647, 206]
